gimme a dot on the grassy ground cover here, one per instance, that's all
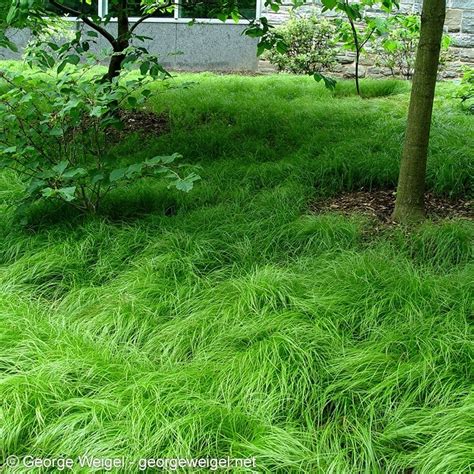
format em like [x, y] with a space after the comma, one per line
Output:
[232, 321]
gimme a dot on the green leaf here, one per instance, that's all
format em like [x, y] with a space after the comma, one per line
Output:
[97, 177]
[68, 194]
[134, 170]
[329, 82]
[10, 150]
[74, 172]
[97, 111]
[281, 47]
[183, 185]
[187, 183]
[73, 59]
[132, 101]
[60, 167]
[144, 67]
[61, 67]
[34, 185]
[329, 4]
[163, 159]
[117, 174]
[48, 192]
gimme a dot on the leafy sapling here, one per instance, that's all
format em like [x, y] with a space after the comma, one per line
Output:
[359, 28]
[58, 120]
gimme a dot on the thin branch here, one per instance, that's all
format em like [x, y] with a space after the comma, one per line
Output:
[86, 20]
[367, 38]
[149, 15]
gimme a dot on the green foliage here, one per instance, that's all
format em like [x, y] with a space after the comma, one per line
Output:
[58, 122]
[396, 48]
[310, 46]
[4, 6]
[242, 324]
[356, 11]
[4, 41]
[465, 91]
[359, 28]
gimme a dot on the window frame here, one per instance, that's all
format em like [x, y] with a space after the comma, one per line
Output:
[102, 9]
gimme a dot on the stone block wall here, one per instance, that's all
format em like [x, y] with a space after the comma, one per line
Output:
[459, 25]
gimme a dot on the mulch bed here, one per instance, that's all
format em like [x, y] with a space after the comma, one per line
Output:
[379, 205]
[144, 122]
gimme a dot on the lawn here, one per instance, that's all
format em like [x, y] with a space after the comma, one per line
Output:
[233, 320]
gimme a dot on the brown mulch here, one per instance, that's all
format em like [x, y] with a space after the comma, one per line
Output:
[379, 204]
[144, 122]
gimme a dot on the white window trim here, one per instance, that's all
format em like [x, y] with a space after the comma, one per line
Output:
[103, 10]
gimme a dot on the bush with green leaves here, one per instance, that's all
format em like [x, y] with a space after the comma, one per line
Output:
[465, 91]
[58, 123]
[4, 41]
[310, 46]
[396, 48]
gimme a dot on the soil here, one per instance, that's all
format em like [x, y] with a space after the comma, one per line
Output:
[144, 122]
[379, 204]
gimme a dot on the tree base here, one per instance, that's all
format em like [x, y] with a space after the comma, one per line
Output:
[408, 214]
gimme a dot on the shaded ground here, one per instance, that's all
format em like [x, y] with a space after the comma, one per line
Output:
[380, 203]
[144, 122]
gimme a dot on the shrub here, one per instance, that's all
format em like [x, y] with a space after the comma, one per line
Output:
[57, 124]
[311, 46]
[396, 49]
[466, 89]
[4, 43]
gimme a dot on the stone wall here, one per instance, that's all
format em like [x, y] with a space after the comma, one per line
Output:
[201, 47]
[459, 26]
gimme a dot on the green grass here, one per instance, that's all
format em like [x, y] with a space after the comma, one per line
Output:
[242, 325]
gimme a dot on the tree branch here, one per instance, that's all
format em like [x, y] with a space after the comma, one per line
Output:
[149, 15]
[367, 38]
[86, 20]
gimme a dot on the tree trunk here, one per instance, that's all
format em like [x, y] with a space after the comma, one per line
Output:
[355, 37]
[357, 72]
[122, 42]
[410, 205]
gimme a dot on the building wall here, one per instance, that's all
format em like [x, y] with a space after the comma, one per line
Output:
[203, 46]
[223, 47]
[459, 26]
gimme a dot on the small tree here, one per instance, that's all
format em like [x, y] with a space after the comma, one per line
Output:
[22, 12]
[410, 205]
[57, 127]
[360, 28]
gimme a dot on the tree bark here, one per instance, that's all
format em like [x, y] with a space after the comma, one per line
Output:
[410, 205]
[121, 43]
[355, 37]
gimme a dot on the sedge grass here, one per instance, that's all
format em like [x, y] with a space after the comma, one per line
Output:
[241, 325]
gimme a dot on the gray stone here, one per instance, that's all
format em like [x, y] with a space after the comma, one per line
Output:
[379, 71]
[453, 20]
[349, 73]
[449, 74]
[463, 4]
[462, 40]
[347, 58]
[467, 25]
[465, 55]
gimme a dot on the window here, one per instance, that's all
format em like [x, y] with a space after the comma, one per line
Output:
[135, 9]
[90, 8]
[209, 8]
[185, 10]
